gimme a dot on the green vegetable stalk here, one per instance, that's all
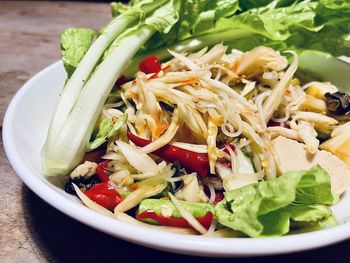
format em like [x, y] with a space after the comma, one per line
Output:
[157, 205]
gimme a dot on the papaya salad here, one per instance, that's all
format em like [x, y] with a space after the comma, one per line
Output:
[211, 140]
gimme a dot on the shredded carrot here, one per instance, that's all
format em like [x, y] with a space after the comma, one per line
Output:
[161, 125]
[133, 187]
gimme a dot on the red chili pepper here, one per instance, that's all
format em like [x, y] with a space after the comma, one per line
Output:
[218, 197]
[105, 195]
[150, 65]
[191, 161]
[101, 173]
[205, 220]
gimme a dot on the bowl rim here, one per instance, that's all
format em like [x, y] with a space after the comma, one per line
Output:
[171, 242]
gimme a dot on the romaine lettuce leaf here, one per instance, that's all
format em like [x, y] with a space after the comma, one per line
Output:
[280, 24]
[74, 44]
[267, 208]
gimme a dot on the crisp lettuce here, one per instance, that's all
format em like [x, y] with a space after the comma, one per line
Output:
[268, 208]
[106, 130]
[75, 42]
[280, 24]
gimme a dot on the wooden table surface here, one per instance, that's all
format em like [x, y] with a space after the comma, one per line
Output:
[30, 229]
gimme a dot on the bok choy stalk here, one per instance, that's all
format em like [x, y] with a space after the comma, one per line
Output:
[86, 91]
[282, 25]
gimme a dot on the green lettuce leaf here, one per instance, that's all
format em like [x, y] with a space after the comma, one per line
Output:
[195, 16]
[74, 44]
[106, 130]
[268, 208]
[280, 24]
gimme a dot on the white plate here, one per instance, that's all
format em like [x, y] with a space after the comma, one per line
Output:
[25, 126]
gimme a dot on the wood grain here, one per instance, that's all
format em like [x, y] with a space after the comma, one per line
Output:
[29, 34]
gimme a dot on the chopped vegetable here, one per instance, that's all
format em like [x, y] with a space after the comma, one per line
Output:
[150, 65]
[164, 212]
[267, 208]
[106, 130]
[191, 161]
[75, 42]
[105, 195]
[101, 173]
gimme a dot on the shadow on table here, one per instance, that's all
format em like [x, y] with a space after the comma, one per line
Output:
[63, 239]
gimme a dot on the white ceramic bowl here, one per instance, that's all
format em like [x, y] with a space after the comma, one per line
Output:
[25, 127]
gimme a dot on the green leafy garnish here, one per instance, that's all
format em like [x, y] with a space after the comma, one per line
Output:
[75, 42]
[106, 130]
[268, 208]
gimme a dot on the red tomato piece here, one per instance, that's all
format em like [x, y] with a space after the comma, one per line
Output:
[150, 65]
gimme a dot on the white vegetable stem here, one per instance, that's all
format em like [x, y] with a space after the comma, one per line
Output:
[81, 74]
[70, 134]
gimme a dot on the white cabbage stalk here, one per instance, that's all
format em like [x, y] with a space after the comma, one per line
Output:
[273, 101]
[73, 122]
[138, 159]
[235, 181]
[166, 137]
[185, 214]
[244, 163]
[191, 191]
